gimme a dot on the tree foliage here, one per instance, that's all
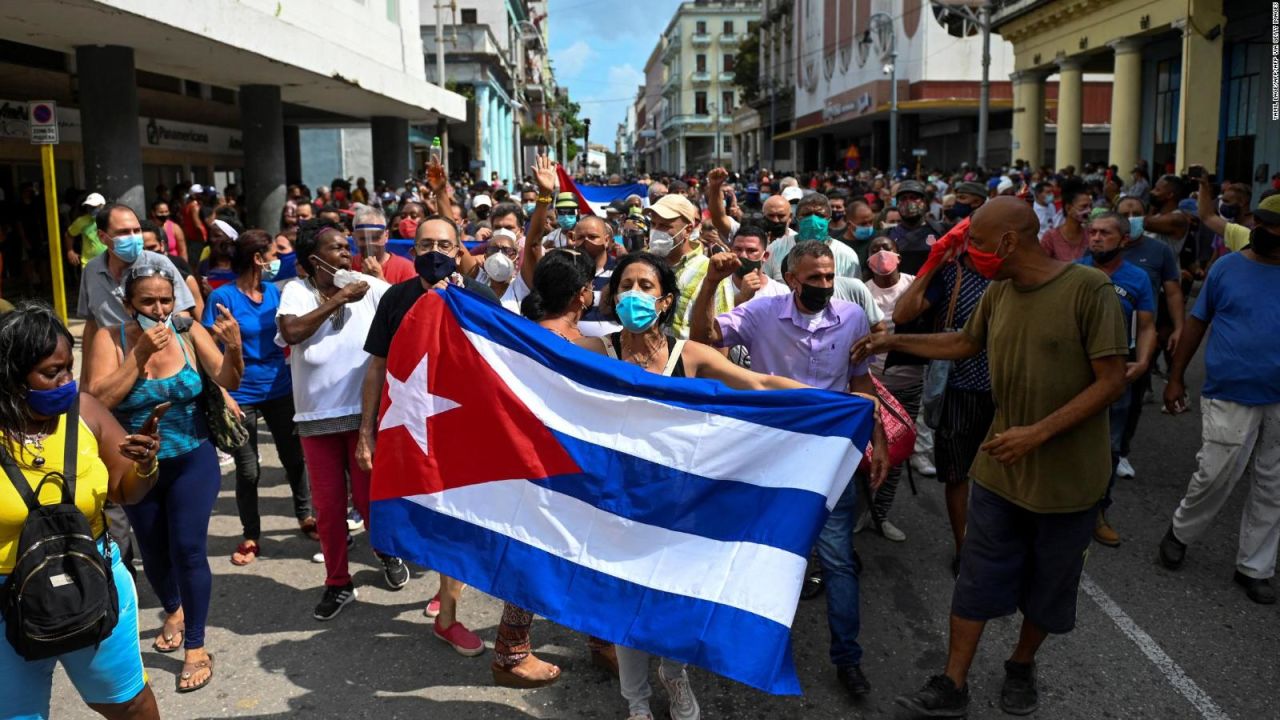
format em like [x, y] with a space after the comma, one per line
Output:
[746, 67]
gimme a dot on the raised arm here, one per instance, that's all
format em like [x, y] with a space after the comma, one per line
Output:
[544, 176]
[106, 377]
[715, 202]
[703, 326]
[1208, 209]
[225, 366]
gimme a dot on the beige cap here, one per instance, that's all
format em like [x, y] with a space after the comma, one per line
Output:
[673, 206]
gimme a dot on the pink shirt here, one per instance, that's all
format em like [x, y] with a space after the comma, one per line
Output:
[1059, 248]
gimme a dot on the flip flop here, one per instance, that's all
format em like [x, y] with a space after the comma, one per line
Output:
[186, 675]
[168, 639]
[249, 548]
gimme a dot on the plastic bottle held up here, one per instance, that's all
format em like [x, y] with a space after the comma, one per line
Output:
[436, 151]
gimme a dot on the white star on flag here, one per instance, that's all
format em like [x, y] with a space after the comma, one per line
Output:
[411, 404]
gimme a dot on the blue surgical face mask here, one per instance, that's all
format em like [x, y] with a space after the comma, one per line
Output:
[128, 247]
[271, 270]
[146, 322]
[52, 403]
[864, 233]
[637, 310]
[1048, 199]
[1135, 226]
[618, 239]
[288, 266]
[566, 222]
[529, 208]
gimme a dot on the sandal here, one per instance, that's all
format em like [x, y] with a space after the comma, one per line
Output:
[246, 549]
[307, 526]
[170, 644]
[506, 677]
[186, 675]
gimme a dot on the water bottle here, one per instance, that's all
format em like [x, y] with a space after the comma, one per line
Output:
[436, 151]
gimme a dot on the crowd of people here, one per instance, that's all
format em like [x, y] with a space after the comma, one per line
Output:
[1010, 323]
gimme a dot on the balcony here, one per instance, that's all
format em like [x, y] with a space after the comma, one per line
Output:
[730, 39]
[700, 78]
[672, 83]
[701, 40]
[726, 77]
[672, 48]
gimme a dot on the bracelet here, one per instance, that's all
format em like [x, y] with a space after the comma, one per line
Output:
[155, 467]
[545, 199]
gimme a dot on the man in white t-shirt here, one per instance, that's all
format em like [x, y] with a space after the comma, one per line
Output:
[324, 320]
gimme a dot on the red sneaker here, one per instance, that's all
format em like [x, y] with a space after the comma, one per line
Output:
[433, 607]
[463, 640]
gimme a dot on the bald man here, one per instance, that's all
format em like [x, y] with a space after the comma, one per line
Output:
[1056, 345]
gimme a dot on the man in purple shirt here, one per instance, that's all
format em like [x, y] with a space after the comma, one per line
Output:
[806, 336]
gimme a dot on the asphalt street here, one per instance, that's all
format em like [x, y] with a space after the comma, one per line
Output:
[1148, 644]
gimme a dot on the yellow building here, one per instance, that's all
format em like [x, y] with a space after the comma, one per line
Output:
[1189, 81]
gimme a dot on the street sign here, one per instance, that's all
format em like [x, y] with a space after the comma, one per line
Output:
[919, 152]
[42, 118]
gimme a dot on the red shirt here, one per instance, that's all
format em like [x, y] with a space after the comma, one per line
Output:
[396, 269]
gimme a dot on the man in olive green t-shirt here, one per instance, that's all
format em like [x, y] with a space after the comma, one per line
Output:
[1056, 346]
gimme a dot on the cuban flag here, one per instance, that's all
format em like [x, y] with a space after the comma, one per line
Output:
[671, 515]
[594, 199]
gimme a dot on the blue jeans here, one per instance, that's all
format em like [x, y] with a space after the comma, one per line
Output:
[1118, 417]
[840, 576]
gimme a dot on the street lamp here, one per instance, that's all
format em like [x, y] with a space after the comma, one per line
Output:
[886, 40]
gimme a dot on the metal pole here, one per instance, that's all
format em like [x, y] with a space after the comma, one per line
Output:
[443, 124]
[773, 119]
[55, 234]
[893, 112]
[984, 97]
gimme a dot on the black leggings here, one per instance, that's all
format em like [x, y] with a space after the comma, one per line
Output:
[278, 414]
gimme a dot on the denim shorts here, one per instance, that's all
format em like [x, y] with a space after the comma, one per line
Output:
[1015, 559]
[110, 673]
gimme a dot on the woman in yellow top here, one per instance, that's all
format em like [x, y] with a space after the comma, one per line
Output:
[37, 389]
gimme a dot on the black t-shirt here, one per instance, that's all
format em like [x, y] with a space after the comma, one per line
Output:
[913, 243]
[396, 303]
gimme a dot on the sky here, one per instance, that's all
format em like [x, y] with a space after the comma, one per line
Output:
[598, 50]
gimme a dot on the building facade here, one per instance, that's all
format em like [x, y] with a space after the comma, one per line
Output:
[696, 53]
[214, 92]
[1192, 81]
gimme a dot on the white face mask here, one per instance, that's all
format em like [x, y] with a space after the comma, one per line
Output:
[661, 243]
[499, 267]
[343, 278]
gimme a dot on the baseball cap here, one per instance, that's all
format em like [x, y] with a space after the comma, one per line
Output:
[197, 189]
[792, 194]
[1004, 184]
[95, 200]
[1268, 211]
[971, 188]
[481, 200]
[675, 206]
[566, 201]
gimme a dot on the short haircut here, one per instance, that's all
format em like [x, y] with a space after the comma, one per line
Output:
[369, 215]
[814, 202]
[808, 248]
[103, 218]
[752, 230]
[504, 209]
[1122, 222]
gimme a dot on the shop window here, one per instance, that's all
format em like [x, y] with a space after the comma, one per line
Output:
[1168, 91]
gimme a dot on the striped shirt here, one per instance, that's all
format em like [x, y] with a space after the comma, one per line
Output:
[690, 271]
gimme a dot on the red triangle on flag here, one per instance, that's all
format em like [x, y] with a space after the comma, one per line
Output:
[476, 429]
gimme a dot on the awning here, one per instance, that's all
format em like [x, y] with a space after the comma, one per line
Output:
[965, 106]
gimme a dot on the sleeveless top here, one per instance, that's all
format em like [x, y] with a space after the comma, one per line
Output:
[183, 428]
[91, 485]
[170, 237]
[675, 364]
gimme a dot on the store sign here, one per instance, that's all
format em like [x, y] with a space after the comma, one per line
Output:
[15, 124]
[839, 108]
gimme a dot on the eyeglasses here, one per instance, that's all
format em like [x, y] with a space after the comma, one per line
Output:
[495, 249]
[138, 272]
[441, 245]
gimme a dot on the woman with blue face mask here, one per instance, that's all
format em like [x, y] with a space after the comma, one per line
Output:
[131, 368]
[266, 388]
[641, 296]
[38, 395]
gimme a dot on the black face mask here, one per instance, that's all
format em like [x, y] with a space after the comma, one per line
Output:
[434, 266]
[748, 267]
[814, 298]
[958, 211]
[1263, 241]
[837, 216]
[774, 228]
[1103, 257]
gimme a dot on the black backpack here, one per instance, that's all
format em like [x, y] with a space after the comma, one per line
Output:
[61, 595]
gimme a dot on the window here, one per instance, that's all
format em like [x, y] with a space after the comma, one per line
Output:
[700, 103]
[728, 27]
[728, 144]
[393, 11]
[701, 63]
[469, 16]
[1241, 98]
[726, 102]
[192, 88]
[702, 27]
[728, 63]
[1168, 89]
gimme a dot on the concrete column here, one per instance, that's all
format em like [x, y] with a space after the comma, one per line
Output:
[1070, 113]
[1200, 88]
[262, 127]
[292, 154]
[1028, 117]
[682, 165]
[1126, 103]
[390, 137]
[109, 124]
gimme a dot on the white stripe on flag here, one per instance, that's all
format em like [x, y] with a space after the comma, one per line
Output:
[713, 446]
[755, 578]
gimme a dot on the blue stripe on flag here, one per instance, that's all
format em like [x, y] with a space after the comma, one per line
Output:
[666, 497]
[736, 644]
[813, 412]
[608, 193]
